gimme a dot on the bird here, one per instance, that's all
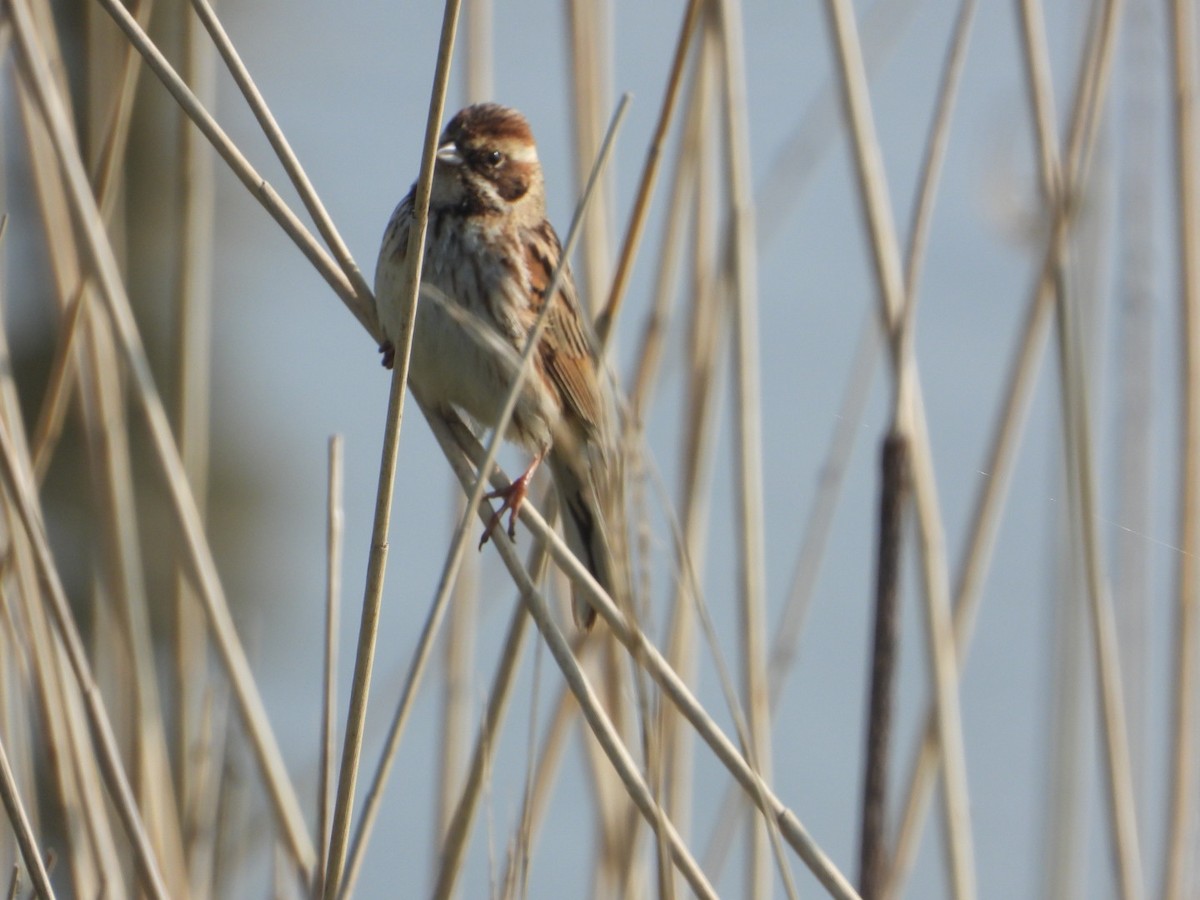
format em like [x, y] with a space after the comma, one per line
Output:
[490, 254]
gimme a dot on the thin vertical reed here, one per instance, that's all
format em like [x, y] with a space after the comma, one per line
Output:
[1139, 212]
[376, 565]
[23, 830]
[327, 757]
[641, 205]
[1181, 825]
[589, 27]
[750, 527]
[104, 412]
[460, 642]
[699, 414]
[193, 300]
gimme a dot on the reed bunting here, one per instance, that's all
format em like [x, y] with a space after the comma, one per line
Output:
[490, 253]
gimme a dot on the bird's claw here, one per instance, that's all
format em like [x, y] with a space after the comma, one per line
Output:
[513, 496]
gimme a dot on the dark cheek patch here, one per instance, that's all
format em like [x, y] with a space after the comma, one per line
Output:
[511, 185]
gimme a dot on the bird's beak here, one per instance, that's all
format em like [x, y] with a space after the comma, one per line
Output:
[448, 153]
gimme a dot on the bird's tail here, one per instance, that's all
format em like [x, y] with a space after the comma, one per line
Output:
[593, 524]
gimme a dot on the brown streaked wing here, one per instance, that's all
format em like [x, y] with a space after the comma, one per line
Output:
[565, 350]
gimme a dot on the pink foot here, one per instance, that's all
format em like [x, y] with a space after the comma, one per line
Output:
[513, 496]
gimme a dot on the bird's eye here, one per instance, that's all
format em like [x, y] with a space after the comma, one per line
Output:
[494, 158]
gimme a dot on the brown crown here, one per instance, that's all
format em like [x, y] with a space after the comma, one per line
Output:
[490, 120]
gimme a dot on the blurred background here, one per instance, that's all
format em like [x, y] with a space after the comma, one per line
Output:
[349, 84]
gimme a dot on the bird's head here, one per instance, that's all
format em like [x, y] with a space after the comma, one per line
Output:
[487, 164]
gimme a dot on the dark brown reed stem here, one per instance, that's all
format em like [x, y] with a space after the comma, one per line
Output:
[893, 498]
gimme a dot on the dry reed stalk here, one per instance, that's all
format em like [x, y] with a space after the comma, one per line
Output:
[103, 404]
[749, 526]
[641, 205]
[1104, 636]
[519, 847]
[24, 689]
[111, 291]
[668, 757]
[1005, 441]
[368, 630]
[458, 675]
[23, 816]
[479, 62]
[23, 830]
[700, 415]
[121, 575]
[460, 641]
[1070, 716]
[211, 791]
[59, 392]
[935, 152]
[1138, 210]
[1179, 863]
[644, 380]
[616, 831]
[106, 56]
[327, 755]
[376, 565]
[589, 28]
[416, 668]
[412, 680]
[198, 785]
[984, 524]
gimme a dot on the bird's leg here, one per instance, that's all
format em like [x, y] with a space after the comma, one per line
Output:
[513, 496]
[389, 354]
